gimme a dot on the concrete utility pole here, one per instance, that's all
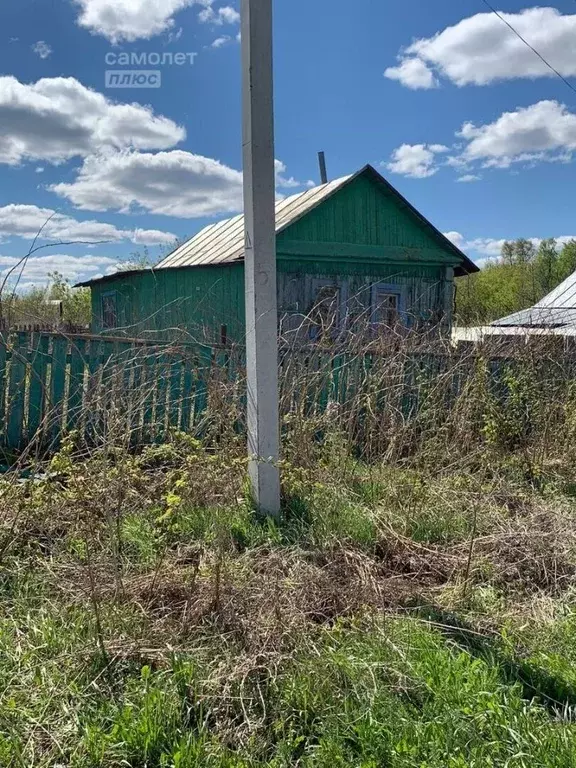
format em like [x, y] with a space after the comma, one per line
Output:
[260, 254]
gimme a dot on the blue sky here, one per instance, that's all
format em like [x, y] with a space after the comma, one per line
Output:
[440, 96]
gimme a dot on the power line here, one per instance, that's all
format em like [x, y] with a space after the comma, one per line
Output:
[553, 69]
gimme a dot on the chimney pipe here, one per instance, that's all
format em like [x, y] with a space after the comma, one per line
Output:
[323, 174]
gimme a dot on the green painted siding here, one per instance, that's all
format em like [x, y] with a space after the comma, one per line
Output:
[188, 302]
[362, 214]
[426, 291]
[360, 236]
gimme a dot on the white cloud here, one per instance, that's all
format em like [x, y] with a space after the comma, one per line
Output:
[58, 118]
[543, 131]
[456, 238]
[415, 160]
[491, 248]
[173, 183]
[228, 15]
[175, 35]
[151, 237]
[221, 41]
[129, 20]
[224, 15]
[42, 49]
[481, 49]
[28, 220]
[39, 169]
[413, 73]
[34, 271]
[283, 181]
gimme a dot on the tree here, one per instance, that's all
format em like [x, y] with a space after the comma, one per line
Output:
[521, 277]
[566, 264]
[546, 267]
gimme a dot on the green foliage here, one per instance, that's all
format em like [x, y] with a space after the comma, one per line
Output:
[37, 305]
[520, 278]
[406, 614]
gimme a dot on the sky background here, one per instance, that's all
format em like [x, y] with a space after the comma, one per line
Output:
[441, 97]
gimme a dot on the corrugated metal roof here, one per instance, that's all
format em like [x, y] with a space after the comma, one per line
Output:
[564, 295]
[224, 242]
[478, 333]
[540, 317]
[555, 310]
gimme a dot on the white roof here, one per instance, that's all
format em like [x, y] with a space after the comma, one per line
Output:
[478, 333]
[557, 309]
[223, 242]
[563, 296]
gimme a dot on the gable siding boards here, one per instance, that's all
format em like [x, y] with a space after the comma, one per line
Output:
[363, 214]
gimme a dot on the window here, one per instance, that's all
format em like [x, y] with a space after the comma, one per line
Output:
[109, 310]
[387, 306]
[325, 313]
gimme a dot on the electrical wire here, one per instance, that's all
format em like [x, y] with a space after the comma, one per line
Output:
[547, 63]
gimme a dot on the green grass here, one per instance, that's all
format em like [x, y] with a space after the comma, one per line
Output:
[394, 617]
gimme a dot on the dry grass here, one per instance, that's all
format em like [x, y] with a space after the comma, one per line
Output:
[139, 587]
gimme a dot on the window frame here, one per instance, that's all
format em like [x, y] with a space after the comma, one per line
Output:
[104, 296]
[393, 289]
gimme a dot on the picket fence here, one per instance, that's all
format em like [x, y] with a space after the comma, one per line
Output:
[52, 383]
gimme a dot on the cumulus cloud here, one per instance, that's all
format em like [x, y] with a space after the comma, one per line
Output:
[456, 238]
[173, 183]
[221, 41]
[417, 161]
[58, 118]
[543, 131]
[35, 271]
[219, 16]
[413, 73]
[481, 49]
[491, 248]
[28, 220]
[129, 20]
[42, 49]
[283, 181]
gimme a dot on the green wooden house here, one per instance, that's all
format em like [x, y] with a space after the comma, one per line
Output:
[351, 253]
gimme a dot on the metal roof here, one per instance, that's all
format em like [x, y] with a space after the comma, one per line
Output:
[223, 242]
[555, 310]
[478, 333]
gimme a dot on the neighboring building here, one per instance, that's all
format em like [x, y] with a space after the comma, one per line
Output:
[349, 252]
[555, 312]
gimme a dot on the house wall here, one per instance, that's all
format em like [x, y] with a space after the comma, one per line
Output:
[363, 222]
[426, 291]
[360, 236]
[194, 303]
[191, 303]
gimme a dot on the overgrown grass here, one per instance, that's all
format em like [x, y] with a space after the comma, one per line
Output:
[413, 608]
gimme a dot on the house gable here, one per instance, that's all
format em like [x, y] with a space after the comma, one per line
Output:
[366, 219]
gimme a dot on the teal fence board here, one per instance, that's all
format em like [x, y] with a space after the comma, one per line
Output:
[52, 383]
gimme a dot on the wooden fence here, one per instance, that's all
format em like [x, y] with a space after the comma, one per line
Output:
[52, 383]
